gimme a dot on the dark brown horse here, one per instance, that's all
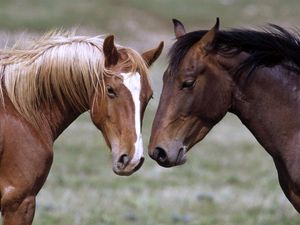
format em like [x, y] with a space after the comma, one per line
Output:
[45, 87]
[253, 74]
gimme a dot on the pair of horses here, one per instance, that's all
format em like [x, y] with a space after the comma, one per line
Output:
[254, 74]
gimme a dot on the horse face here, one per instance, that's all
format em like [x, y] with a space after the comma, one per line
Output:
[120, 120]
[120, 112]
[195, 96]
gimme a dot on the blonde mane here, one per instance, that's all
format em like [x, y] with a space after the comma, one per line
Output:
[59, 68]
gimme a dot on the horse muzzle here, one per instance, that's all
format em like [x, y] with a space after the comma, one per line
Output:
[124, 166]
[169, 157]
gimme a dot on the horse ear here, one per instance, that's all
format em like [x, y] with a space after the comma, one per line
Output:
[206, 42]
[179, 29]
[151, 55]
[110, 51]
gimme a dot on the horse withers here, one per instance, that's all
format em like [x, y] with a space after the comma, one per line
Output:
[253, 74]
[45, 87]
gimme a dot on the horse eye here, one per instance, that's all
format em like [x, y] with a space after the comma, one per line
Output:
[188, 84]
[111, 92]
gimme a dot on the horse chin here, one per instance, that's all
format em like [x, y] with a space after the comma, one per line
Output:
[129, 169]
[177, 163]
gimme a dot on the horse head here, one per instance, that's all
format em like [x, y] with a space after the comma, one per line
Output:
[196, 95]
[118, 112]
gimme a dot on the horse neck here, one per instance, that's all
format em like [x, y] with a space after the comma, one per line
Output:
[269, 107]
[58, 118]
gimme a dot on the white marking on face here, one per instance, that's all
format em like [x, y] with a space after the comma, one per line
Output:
[133, 83]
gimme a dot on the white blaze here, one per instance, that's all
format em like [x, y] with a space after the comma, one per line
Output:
[133, 83]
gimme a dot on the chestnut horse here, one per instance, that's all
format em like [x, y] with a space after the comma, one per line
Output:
[253, 74]
[45, 87]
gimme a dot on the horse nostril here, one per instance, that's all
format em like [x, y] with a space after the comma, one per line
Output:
[160, 154]
[123, 161]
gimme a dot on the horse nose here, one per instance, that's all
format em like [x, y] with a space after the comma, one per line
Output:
[122, 161]
[160, 155]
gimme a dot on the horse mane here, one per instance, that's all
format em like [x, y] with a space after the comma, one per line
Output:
[269, 46]
[58, 68]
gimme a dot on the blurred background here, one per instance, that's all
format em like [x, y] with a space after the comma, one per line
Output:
[228, 178]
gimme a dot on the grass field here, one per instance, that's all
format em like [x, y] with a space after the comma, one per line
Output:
[155, 15]
[228, 178]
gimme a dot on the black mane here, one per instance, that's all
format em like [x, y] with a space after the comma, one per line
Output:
[271, 46]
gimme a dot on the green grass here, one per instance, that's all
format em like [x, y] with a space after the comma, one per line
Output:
[128, 17]
[228, 178]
